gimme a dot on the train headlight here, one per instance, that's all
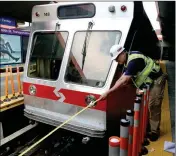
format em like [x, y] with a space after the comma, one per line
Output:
[89, 99]
[32, 90]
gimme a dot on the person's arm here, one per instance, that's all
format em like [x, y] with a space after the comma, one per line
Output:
[123, 80]
[132, 69]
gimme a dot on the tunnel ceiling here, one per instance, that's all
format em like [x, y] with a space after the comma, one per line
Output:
[21, 10]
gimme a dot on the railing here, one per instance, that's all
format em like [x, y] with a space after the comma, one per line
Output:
[16, 95]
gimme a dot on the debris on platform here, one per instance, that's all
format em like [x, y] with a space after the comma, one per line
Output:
[169, 146]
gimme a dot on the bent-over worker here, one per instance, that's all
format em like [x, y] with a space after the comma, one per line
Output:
[141, 70]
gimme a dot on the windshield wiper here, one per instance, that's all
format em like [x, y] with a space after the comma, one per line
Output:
[57, 27]
[87, 37]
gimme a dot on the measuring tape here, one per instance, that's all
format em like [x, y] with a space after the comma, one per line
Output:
[92, 103]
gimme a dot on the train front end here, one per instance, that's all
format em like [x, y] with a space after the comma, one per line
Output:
[68, 62]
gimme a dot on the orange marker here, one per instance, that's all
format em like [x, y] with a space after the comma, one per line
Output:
[19, 83]
[137, 106]
[130, 117]
[124, 135]
[114, 146]
[6, 85]
[12, 84]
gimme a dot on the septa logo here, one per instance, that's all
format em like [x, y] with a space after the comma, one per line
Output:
[59, 95]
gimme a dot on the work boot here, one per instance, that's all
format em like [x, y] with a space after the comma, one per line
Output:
[153, 136]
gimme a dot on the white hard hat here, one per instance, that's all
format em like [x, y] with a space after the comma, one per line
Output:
[115, 51]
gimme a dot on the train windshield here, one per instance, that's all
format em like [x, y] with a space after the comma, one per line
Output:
[89, 60]
[46, 54]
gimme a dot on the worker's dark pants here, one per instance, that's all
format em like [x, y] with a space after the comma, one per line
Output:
[155, 102]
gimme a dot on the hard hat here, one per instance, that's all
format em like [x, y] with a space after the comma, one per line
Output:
[115, 51]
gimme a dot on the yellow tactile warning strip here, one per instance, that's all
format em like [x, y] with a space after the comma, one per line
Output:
[157, 148]
[11, 104]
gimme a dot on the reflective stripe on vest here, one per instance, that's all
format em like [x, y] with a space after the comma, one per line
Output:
[142, 77]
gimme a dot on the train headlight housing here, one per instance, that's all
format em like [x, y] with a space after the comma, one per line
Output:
[89, 99]
[32, 90]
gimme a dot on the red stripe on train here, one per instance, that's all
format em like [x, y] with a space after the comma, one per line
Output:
[42, 91]
[78, 98]
[71, 96]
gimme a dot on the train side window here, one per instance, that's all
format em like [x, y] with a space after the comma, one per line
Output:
[89, 65]
[47, 54]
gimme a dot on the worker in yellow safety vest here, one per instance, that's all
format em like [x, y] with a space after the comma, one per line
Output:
[141, 70]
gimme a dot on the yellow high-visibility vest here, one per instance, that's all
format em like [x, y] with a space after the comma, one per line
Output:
[142, 77]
